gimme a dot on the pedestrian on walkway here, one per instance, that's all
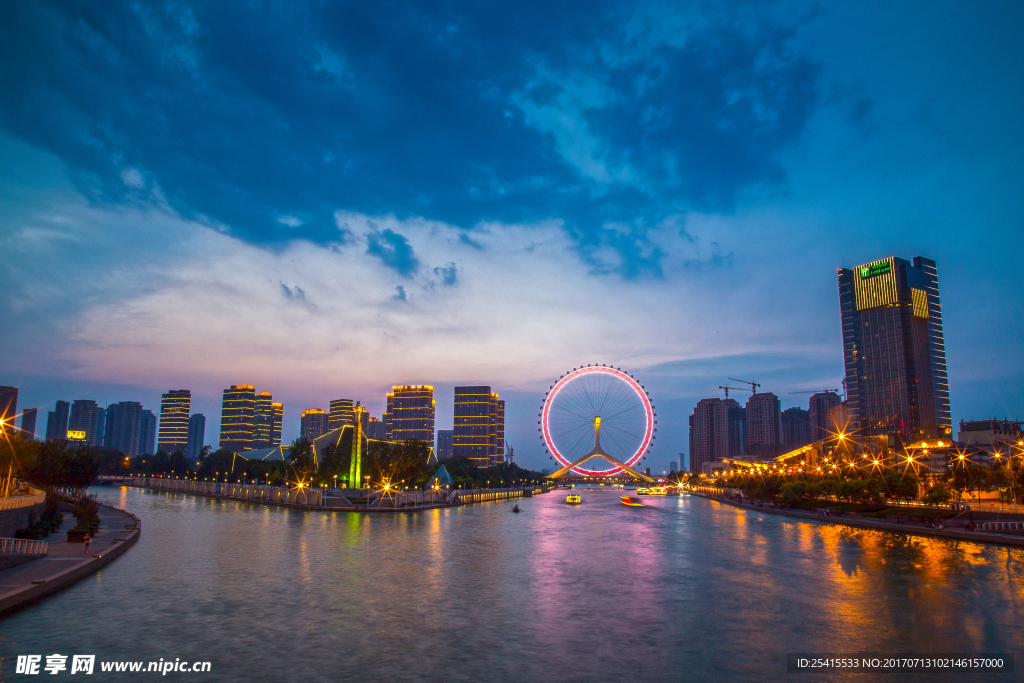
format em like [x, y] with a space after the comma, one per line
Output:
[88, 540]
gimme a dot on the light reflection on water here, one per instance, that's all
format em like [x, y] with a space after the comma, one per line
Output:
[684, 589]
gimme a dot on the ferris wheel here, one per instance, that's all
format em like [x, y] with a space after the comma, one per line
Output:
[597, 411]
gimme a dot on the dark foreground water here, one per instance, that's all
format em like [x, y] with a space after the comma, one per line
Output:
[683, 590]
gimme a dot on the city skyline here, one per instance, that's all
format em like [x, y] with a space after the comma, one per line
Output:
[668, 190]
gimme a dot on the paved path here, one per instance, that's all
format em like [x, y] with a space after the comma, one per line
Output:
[68, 562]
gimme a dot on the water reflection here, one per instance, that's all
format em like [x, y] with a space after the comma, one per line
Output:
[684, 589]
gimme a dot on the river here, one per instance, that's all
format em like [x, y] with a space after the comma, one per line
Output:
[685, 589]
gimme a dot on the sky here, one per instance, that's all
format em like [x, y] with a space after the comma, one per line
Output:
[328, 199]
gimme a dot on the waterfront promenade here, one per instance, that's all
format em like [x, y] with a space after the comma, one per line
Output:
[341, 500]
[914, 528]
[66, 562]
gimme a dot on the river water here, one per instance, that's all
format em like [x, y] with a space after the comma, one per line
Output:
[685, 589]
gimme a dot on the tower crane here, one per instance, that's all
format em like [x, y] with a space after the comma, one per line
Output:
[727, 388]
[753, 385]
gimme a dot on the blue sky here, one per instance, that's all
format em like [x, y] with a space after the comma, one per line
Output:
[325, 200]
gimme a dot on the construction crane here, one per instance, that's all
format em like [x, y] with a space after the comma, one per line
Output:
[815, 391]
[509, 453]
[825, 390]
[753, 385]
[727, 388]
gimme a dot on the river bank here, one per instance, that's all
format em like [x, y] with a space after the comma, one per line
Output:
[862, 523]
[336, 500]
[65, 563]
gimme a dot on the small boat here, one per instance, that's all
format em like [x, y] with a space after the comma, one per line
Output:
[573, 499]
[515, 508]
[643, 491]
[658, 491]
[626, 500]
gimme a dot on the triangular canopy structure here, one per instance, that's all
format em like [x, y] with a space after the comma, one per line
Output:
[597, 452]
[441, 478]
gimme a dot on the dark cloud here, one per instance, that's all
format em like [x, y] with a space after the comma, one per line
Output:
[247, 114]
[394, 250]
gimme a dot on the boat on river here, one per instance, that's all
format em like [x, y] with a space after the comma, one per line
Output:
[573, 499]
[626, 500]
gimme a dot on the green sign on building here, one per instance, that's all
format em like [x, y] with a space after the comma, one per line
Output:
[876, 269]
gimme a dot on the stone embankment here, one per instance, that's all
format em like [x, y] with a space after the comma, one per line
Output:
[64, 563]
[864, 523]
[344, 500]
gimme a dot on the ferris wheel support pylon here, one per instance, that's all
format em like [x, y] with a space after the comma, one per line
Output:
[595, 453]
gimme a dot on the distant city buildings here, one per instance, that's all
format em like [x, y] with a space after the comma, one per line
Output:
[57, 421]
[28, 423]
[991, 434]
[479, 426]
[374, 429]
[196, 436]
[86, 423]
[175, 407]
[796, 428]
[237, 418]
[267, 419]
[8, 407]
[124, 428]
[410, 414]
[763, 426]
[444, 443]
[894, 350]
[822, 407]
[147, 433]
[313, 423]
[341, 414]
[717, 431]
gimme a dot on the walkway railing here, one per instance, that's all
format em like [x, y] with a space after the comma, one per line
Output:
[14, 502]
[21, 546]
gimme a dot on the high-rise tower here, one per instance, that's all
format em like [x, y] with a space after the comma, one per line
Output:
[341, 414]
[410, 414]
[238, 413]
[473, 434]
[893, 349]
[175, 407]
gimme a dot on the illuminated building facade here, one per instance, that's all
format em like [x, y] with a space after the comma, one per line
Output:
[410, 414]
[196, 436]
[341, 414]
[237, 418]
[479, 426]
[8, 407]
[822, 412]
[28, 423]
[893, 349]
[57, 421]
[175, 407]
[313, 423]
[764, 426]
[88, 420]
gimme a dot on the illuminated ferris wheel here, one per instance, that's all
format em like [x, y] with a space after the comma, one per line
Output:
[597, 411]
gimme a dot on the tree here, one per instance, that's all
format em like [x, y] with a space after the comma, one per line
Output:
[65, 469]
[302, 460]
[936, 495]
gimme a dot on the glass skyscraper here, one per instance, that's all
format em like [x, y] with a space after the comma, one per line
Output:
[893, 349]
